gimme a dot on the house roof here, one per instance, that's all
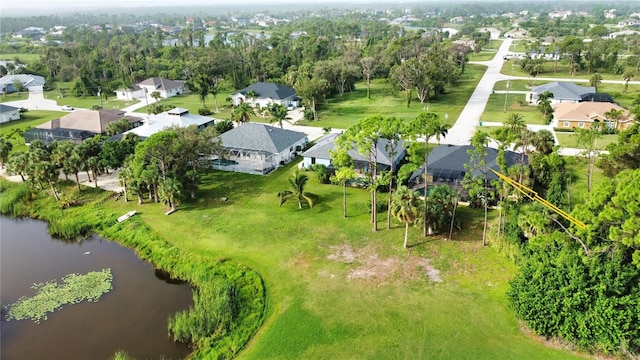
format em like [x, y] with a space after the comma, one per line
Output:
[260, 137]
[26, 79]
[95, 121]
[447, 161]
[175, 117]
[269, 90]
[161, 83]
[133, 87]
[585, 111]
[564, 90]
[6, 108]
[328, 142]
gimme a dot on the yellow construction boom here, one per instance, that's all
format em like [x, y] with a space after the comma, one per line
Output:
[535, 197]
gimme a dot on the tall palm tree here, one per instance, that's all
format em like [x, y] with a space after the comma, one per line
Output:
[441, 130]
[278, 113]
[406, 208]
[297, 184]
[627, 76]
[170, 190]
[515, 123]
[242, 113]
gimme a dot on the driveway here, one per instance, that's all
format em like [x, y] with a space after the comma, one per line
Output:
[36, 101]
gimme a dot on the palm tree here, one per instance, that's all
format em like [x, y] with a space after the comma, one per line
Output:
[296, 183]
[242, 113]
[5, 149]
[156, 96]
[406, 208]
[170, 190]
[18, 163]
[441, 130]
[627, 76]
[343, 175]
[544, 141]
[544, 103]
[595, 80]
[278, 112]
[614, 115]
[515, 123]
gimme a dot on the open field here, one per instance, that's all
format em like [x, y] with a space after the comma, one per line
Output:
[14, 96]
[483, 55]
[336, 289]
[86, 102]
[494, 111]
[341, 113]
[17, 127]
[512, 67]
[24, 57]
[570, 140]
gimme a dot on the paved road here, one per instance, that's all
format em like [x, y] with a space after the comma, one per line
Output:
[36, 101]
[464, 128]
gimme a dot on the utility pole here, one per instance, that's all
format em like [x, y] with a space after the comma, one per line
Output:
[506, 96]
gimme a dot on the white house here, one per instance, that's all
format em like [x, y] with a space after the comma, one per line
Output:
[562, 92]
[8, 113]
[175, 117]
[495, 33]
[266, 94]
[130, 93]
[320, 153]
[167, 88]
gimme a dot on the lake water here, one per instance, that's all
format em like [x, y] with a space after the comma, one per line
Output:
[131, 317]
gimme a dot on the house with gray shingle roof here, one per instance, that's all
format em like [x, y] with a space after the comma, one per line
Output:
[266, 95]
[31, 82]
[8, 113]
[176, 117]
[256, 148]
[320, 153]
[562, 92]
[447, 166]
[167, 88]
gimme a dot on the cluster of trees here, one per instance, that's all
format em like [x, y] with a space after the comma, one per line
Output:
[580, 285]
[167, 165]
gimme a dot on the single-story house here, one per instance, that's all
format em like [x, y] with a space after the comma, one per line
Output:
[320, 154]
[8, 113]
[175, 117]
[167, 88]
[130, 93]
[562, 92]
[256, 148]
[582, 115]
[447, 165]
[77, 126]
[518, 33]
[266, 95]
[494, 33]
[623, 33]
[31, 82]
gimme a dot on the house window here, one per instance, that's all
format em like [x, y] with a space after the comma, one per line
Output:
[313, 161]
[565, 124]
[581, 124]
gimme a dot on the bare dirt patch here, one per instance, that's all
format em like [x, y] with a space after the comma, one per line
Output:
[371, 267]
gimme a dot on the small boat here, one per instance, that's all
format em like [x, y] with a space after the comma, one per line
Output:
[126, 216]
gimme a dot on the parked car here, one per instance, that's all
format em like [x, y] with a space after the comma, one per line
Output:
[67, 108]
[290, 107]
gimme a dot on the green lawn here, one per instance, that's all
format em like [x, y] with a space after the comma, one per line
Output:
[17, 127]
[517, 85]
[343, 112]
[512, 67]
[519, 46]
[494, 111]
[493, 45]
[24, 57]
[14, 96]
[570, 140]
[193, 103]
[315, 311]
[578, 187]
[86, 102]
[483, 55]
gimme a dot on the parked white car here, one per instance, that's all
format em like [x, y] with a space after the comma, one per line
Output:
[67, 108]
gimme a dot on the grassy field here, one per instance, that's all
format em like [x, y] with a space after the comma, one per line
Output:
[24, 57]
[193, 103]
[578, 187]
[512, 67]
[17, 127]
[342, 112]
[86, 102]
[310, 260]
[14, 96]
[519, 46]
[494, 111]
[483, 55]
[570, 140]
